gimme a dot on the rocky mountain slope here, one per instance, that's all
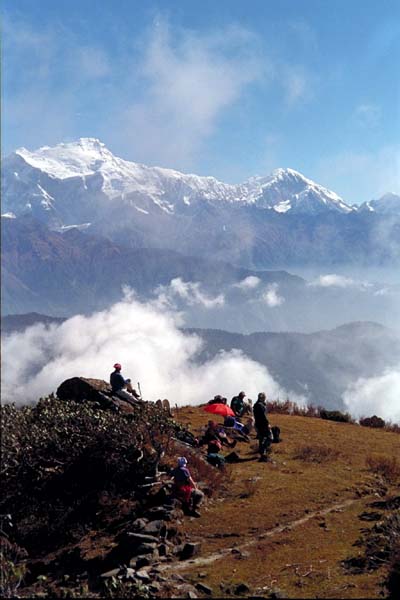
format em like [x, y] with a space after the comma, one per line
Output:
[282, 219]
[64, 273]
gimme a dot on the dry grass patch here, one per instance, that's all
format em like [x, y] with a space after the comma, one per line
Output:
[316, 454]
[387, 467]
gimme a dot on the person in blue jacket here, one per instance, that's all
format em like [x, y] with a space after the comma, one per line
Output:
[122, 387]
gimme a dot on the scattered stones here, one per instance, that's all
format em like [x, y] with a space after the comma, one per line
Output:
[163, 549]
[145, 549]
[143, 575]
[370, 516]
[189, 550]
[203, 588]
[155, 528]
[142, 561]
[109, 574]
[141, 538]
[159, 513]
[241, 588]
[139, 524]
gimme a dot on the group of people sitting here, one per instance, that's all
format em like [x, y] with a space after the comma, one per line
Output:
[238, 404]
[216, 436]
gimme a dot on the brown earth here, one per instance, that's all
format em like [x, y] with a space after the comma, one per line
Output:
[289, 523]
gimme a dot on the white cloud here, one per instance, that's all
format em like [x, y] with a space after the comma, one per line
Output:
[188, 291]
[375, 395]
[248, 283]
[190, 80]
[147, 342]
[272, 297]
[333, 280]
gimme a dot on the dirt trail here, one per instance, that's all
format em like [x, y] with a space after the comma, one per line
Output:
[202, 561]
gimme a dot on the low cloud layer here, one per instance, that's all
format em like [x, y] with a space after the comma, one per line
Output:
[271, 296]
[189, 292]
[375, 395]
[333, 280]
[248, 283]
[148, 343]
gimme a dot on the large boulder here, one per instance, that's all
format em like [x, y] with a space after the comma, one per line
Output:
[81, 389]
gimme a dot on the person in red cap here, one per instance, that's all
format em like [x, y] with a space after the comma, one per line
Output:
[122, 387]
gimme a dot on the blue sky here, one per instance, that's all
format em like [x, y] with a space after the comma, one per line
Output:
[226, 88]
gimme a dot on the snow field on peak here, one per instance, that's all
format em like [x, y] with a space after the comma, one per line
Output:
[284, 190]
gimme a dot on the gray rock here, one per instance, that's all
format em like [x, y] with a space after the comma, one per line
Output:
[143, 575]
[109, 574]
[145, 549]
[142, 561]
[154, 527]
[190, 549]
[203, 588]
[129, 573]
[241, 588]
[163, 549]
[159, 513]
[141, 538]
[177, 577]
[139, 524]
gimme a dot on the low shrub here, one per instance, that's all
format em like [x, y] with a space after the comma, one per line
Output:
[386, 467]
[59, 457]
[316, 453]
[375, 422]
[336, 415]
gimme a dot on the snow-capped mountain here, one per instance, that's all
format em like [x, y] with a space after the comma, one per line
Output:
[283, 219]
[49, 181]
[389, 204]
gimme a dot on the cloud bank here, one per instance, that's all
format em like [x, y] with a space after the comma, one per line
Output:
[333, 280]
[187, 291]
[147, 342]
[375, 395]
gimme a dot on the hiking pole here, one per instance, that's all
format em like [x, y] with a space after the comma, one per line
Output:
[140, 391]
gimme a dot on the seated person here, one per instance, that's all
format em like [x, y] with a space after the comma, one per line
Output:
[238, 404]
[213, 454]
[122, 387]
[215, 431]
[216, 400]
[237, 426]
[185, 489]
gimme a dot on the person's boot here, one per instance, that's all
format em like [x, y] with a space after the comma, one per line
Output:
[263, 458]
[195, 513]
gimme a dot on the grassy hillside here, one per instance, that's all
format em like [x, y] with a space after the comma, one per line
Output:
[321, 519]
[273, 513]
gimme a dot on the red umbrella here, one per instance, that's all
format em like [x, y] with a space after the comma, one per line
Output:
[219, 409]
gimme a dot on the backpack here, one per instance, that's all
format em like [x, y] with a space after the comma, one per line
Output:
[276, 432]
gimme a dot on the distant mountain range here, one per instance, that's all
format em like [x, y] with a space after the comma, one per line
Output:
[71, 272]
[61, 274]
[319, 366]
[281, 220]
